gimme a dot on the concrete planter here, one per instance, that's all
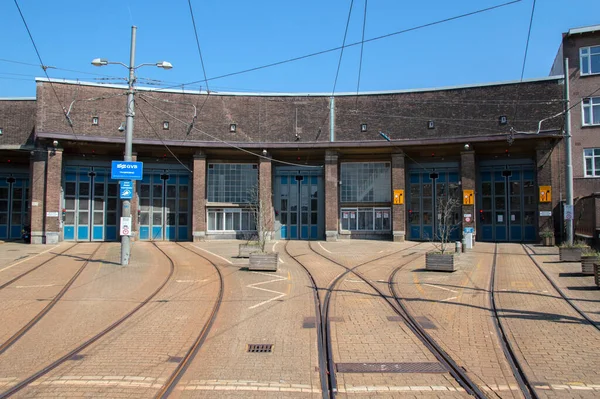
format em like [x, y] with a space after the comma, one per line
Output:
[597, 274]
[264, 262]
[567, 254]
[245, 250]
[587, 264]
[440, 262]
[548, 241]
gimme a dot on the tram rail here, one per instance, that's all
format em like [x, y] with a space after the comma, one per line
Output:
[25, 273]
[45, 370]
[33, 321]
[174, 378]
[457, 372]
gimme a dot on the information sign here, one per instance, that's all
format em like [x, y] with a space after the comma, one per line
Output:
[125, 170]
[125, 225]
[126, 189]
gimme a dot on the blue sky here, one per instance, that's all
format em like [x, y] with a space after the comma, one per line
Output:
[236, 35]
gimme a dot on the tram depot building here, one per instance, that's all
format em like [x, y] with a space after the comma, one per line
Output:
[373, 165]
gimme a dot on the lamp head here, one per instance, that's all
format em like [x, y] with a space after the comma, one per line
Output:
[164, 65]
[99, 62]
[55, 143]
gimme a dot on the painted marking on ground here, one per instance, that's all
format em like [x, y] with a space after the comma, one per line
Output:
[218, 256]
[324, 249]
[36, 286]
[190, 281]
[441, 288]
[254, 286]
[15, 264]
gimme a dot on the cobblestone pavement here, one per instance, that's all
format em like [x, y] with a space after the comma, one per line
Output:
[558, 349]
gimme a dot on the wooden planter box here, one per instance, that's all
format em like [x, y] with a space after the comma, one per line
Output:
[246, 249]
[597, 274]
[587, 264]
[548, 241]
[569, 254]
[264, 262]
[440, 262]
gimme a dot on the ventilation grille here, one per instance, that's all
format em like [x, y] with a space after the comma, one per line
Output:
[260, 348]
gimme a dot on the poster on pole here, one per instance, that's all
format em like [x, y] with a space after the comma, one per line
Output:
[569, 212]
[126, 225]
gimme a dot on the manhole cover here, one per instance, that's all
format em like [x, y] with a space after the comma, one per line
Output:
[309, 322]
[390, 368]
[77, 357]
[260, 348]
[175, 359]
[395, 318]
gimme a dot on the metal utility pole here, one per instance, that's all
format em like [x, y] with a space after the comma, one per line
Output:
[569, 157]
[130, 113]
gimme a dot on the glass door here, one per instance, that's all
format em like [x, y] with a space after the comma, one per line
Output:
[14, 206]
[298, 206]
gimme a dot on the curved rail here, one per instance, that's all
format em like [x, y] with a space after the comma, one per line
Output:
[23, 330]
[321, 347]
[455, 370]
[34, 268]
[22, 384]
[560, 291]
[174, 378]
[511, 357]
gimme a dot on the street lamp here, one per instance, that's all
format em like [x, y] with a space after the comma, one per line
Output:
[126, 210]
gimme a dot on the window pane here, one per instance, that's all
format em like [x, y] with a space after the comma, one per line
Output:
[585, 69]
[231, 182]
[211, 221]
[588, 152]
[365, 182]
[596, 115]
[595, 63]
[588, 166]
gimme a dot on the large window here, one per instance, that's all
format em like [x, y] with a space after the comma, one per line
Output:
[589, 58]
[365, 182]
[591, 157]
[231, 219]
[591, 111]
[366, 219]
[231, 182]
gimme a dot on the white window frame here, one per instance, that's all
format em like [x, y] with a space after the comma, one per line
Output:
[594, 172]
[346, 214]
[225, 211]
[590, 103]
[385, 191]
[585, 59]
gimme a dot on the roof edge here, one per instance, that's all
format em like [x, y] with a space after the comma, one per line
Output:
[583, 29]
[299, 94]
[18, 98]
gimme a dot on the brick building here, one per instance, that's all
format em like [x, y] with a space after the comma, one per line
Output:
[582, 48]
[321, 162]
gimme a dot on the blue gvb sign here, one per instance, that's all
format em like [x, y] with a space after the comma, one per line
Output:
[126, 189]
[123, 170]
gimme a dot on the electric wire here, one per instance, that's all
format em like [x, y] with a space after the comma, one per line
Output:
[337, 73]
[362, 46]
[228, 143]
[44, 68]
[302, 57]
[56, 68]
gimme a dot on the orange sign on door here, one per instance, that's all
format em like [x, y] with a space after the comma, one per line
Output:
[398, 197]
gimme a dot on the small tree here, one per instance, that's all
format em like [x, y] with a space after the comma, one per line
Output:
[447, 208]
[263, 215]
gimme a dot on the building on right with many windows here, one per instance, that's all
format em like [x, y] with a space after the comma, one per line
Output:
[582, 48]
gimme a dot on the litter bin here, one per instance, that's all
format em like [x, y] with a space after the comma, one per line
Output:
[468, 241]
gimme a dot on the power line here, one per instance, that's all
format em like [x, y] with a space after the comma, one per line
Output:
[228, 143]
[44, 69]
[362, 45]
[198, 44]
[337, 73]
[527, 42]
[356, 43]
[53, 67]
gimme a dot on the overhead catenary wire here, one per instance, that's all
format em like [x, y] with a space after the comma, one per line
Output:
[44, 68]
[302, 57]
[362, 46]
[228, 143]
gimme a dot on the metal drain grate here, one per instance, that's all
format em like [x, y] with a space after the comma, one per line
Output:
[260, 348]
[309, 322]
[162, 300]
[395, 318]
[77, 357]
[390, 368]
[175, 359]
[425, 323]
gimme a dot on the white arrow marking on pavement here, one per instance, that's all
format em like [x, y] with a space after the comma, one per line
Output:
[449, 299]
[441, 288]
[281, 294]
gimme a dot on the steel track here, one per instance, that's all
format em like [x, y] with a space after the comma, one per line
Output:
[174, 378]
[22, 384]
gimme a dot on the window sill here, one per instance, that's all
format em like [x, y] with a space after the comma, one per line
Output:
[589, 126]
[587, 75]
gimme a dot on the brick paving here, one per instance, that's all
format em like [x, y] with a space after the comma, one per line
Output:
[558, 349]
[134, 360]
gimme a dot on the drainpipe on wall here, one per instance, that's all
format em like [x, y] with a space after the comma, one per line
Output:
[332, 118]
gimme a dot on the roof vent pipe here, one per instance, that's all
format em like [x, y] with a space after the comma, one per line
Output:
[332, 118]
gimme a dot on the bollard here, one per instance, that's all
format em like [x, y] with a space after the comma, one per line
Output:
[457, 247]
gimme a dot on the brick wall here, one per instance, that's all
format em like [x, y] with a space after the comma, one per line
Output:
[53, 190]
[199, 197]
[331, 196]
[398, 210]
[277, 119]
[17, 120]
